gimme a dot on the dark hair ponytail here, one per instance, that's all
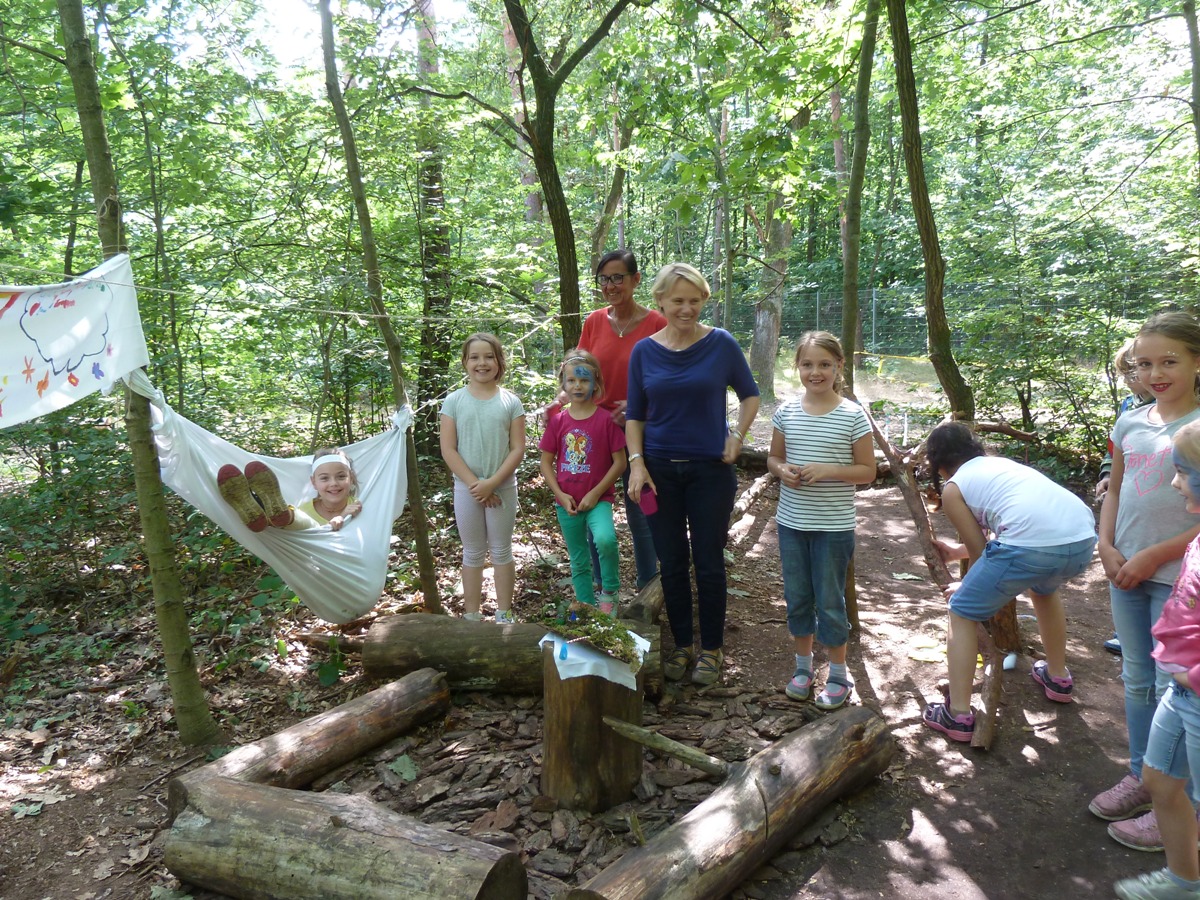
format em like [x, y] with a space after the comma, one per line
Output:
[949, 446]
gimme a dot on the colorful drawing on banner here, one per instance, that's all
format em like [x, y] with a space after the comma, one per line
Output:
[71, 340]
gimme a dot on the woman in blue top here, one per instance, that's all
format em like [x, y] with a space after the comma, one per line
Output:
[682, 449]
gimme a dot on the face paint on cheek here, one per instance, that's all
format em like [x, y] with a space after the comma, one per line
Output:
[1190, 473]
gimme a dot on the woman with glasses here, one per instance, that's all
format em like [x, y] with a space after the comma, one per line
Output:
[609, 334]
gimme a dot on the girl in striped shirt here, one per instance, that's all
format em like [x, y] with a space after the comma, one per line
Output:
[820, 449]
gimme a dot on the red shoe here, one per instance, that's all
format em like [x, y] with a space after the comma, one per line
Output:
[266, 488]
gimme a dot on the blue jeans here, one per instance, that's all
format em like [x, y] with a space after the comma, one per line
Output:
[1005, 571]
[598, 523]
[695, 501]
[814, 582]
[1174, 745]
[644, 557]
[1134, 612]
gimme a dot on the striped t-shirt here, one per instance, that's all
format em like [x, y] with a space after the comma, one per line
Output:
[829, 438]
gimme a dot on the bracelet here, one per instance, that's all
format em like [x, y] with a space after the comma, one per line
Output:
[633, 456]
[741, 436]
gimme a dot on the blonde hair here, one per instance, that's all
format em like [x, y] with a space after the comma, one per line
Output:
[827, 342]
[1175, 326]
[672, 272]
[1123, 360]
[343, 456]
[1187, 442]
[492, 341]
[579, 356]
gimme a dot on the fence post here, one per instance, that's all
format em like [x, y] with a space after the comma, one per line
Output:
[874, 300]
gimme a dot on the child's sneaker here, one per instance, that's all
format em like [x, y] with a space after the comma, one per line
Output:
[1125, 799]
[504, 617]
[266, 488]
[235, 490]
[958, 728]
[677, 663]
[473, 617]
[800, 687]
[1138, 834]
[1153, 886]
[608, 604]
[1057, 689]
[834, 695]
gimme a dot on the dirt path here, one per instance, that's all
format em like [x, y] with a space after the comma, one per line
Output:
[945, 820]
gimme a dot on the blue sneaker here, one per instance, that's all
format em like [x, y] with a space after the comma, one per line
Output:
[834, 695]
[958, 728]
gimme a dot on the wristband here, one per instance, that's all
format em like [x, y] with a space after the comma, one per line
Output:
[633, 456]
[738, 434]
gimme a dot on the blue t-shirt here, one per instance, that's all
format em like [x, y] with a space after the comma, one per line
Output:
[680, 394]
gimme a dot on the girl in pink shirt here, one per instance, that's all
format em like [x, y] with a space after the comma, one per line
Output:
[1173, 751]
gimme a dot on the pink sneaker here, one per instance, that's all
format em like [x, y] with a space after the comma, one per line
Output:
[1138, 834]
[1124, 800]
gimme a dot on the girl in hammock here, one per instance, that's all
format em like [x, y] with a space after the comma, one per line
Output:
[258, 501]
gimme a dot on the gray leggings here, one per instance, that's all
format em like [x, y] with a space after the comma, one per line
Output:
[482, 528]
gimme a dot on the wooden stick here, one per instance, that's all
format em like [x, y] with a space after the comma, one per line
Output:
[662, 744]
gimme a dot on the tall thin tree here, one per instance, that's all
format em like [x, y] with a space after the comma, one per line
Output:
[416, 502]
[192, 716]
[941, 354]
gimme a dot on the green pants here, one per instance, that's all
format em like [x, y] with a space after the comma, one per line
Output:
[575, 528]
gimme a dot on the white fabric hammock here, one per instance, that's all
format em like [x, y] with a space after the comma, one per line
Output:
[339, 575]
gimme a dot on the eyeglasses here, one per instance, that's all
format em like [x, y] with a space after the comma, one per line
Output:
[617, 279]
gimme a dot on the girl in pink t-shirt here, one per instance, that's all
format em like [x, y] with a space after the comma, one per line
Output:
[583, 455]
[1173, 751]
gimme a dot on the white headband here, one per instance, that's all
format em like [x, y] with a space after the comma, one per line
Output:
[328, 458]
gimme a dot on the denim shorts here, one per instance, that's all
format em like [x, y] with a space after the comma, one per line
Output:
[1174, 747]
[1005, 571]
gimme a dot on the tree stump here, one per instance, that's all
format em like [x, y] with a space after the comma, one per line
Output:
[585, 764]
[265, 843]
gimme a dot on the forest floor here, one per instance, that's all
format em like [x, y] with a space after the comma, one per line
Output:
[88, 753]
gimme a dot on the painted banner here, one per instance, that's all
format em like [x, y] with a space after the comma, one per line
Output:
[61, 342]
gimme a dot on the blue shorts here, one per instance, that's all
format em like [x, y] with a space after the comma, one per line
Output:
[1004, 571]
[1174, 747]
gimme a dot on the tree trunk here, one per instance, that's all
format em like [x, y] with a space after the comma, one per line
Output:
[264, 843]
[1189, 15]
[776, 236]
[540, 124]
[480, 656]
[437, 355]
[192, 716]
[296, 756]
[852, 221]
[416, 503]
[585, 764]
[747, 820]
[958, 392]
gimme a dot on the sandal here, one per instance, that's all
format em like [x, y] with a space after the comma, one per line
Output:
[677, 663]
[708, 667]
[834, 695]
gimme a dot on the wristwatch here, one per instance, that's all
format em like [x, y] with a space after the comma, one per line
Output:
[633, 456]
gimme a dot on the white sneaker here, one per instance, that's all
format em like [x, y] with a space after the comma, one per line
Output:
[504, 617]
[1154, 886]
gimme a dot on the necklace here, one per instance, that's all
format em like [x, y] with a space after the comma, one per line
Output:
[617, 327]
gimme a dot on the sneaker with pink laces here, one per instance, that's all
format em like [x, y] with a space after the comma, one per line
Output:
[1124, 800]
[1139, 834]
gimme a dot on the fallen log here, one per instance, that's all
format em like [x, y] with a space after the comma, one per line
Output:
[294, 757]
[647, 605]
[252, 841]
[585, 765]
[747, 820]
[479, 656]
[662, 744]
